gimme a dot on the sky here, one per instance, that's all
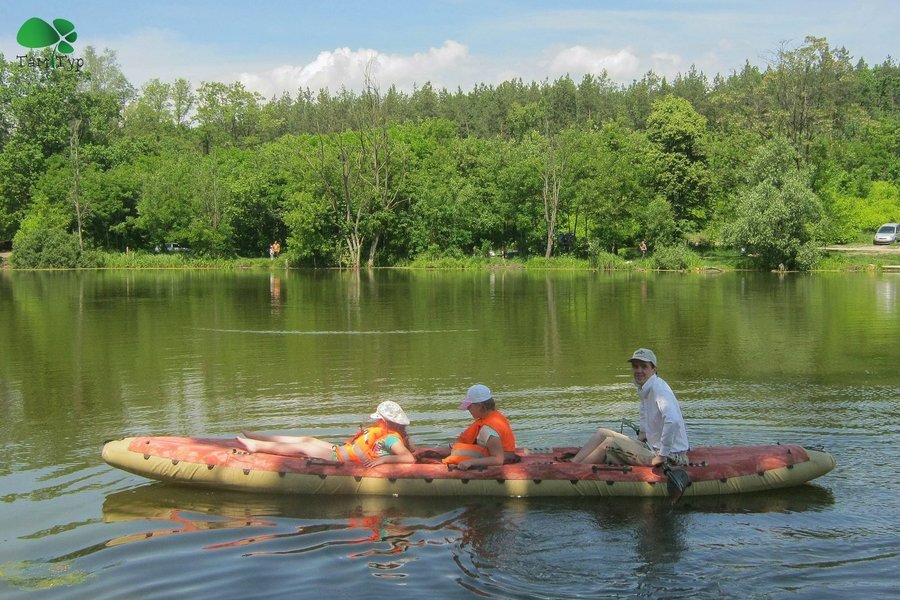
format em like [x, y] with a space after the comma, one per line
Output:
[276, 46]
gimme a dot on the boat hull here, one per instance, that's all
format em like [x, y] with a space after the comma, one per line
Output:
[221, 464]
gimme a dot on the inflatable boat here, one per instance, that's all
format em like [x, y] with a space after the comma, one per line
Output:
[221, 464]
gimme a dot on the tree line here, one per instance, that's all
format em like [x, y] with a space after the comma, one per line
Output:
[778, 160]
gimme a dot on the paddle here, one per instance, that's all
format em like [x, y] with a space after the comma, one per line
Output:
[678, 481]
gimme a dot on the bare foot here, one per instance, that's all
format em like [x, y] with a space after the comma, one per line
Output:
[248, 445]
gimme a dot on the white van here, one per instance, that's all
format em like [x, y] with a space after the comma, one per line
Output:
[887, 234]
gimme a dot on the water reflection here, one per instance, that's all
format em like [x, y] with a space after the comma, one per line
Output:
[804, 498]
[499, 547]
[380, 530]
[275, 293]
[886, 292]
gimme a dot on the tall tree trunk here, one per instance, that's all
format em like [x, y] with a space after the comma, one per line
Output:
[551, 199]
[372, 248]
[75, 192]
[354, 247]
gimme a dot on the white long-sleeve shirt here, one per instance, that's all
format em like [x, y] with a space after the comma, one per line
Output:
[661, 418]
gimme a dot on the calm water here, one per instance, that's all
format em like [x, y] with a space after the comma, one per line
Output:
[754, 358]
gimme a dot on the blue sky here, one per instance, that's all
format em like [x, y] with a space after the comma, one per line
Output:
[273, 46]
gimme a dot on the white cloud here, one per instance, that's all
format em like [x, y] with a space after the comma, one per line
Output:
[578, 60]
[443, 66]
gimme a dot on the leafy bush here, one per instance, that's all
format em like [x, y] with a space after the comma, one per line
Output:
[92, 259]
[607, 261]
[674, 258]
[808, 255]
[48, 249]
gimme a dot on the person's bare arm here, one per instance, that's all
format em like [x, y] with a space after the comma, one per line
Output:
[496, 458]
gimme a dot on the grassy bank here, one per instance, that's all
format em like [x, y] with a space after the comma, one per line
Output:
[845, 259]
[138, 260]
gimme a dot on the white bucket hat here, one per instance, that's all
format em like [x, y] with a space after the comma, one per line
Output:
[644, 355]
[477, 393]
[390, 411]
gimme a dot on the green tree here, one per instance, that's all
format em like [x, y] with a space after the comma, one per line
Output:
[21, 162]
[809, 87]
[40, 103]
[740, 103]
[599, 100]
[617, 187]
[258, 186]
[228, 115]
[183, 100]
[443, 202]
[776, 210]
[210, 229]
[103, 93]
[151, 112]
[164, 209]
[678, 134]
[361, 171]
[558, 152]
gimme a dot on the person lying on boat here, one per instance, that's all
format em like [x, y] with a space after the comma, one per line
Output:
[662, 437]
[384, 441]
[489, 440]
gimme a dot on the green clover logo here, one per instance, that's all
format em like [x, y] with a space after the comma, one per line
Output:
[37, 33]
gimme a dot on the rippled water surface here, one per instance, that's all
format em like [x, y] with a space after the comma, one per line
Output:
[754, 358]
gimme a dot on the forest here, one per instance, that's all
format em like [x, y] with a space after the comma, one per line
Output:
[777, 161]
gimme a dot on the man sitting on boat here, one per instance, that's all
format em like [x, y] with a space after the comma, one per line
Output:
[662, 437]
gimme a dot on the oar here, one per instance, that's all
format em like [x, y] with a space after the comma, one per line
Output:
[678, 481]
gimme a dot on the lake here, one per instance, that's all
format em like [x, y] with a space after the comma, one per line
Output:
[754, 358]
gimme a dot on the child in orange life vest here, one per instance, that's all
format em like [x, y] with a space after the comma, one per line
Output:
[489, 440]
[385, 441]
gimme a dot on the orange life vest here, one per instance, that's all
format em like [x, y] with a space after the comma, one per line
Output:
[363, 443]
[467, 447]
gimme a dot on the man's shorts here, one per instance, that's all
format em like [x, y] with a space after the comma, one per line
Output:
[623, 450]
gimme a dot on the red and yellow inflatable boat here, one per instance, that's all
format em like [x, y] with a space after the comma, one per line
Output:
[219, 463]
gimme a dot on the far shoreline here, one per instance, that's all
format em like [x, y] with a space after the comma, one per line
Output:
[845, 258]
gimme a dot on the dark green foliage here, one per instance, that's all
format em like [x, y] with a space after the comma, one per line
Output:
[659, 225]
[677, 257]
[776, 211]
[600, 259]
[382, 177]
[51, 248]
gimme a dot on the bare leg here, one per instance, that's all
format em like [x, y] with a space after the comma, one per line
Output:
[592, 457]
[594, 451]
[301, 446]
[284, 439]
